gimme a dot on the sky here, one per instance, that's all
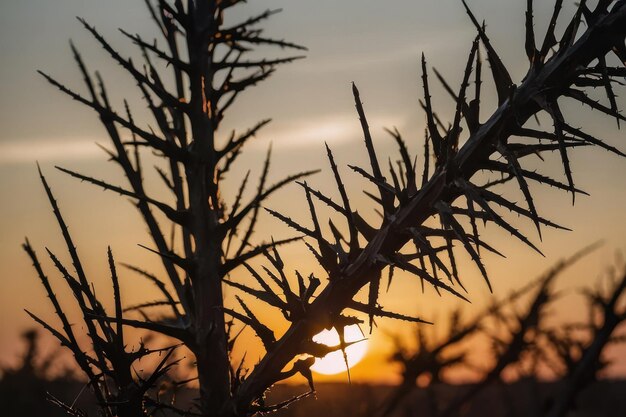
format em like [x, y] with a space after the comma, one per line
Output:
[375, 44]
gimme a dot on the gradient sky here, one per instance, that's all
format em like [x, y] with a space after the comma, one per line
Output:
[373, 43]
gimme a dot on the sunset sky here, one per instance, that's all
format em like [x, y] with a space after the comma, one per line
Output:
[376, 44]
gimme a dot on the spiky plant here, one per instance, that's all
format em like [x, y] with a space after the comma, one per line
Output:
[522, 340]
[583, 356]
[216, 247]
[215, 238]
[452, 191]
[431, 358]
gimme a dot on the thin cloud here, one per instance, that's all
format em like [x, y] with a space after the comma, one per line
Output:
[27, 151]
[298, 134]
[309, 133]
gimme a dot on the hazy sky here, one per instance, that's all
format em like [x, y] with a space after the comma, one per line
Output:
[377, 44]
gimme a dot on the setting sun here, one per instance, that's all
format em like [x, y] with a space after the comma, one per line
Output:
[334, 363]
